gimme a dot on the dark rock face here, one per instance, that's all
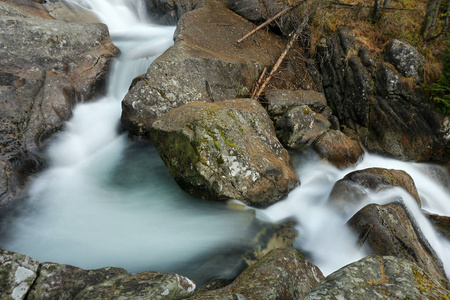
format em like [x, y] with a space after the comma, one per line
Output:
[225, 150]
[388, 111]
[46, 66]
[380, 277]
[441, 224]
[169, 11]
[259, 11]
[339, 149]
[281, 274]
[390, 230]
[200, 67]
[351, 189]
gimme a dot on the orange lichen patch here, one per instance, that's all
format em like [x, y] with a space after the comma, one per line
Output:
[384, 278]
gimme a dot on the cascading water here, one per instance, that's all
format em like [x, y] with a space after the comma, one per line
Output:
[108, 202]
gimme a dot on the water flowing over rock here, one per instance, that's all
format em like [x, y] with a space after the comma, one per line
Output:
[388, 111]
[281, 274]
[352, 188]
[380, 277]
[225, 150]
[391, 230]
[46, 66]
[205, 65]
[17, 274]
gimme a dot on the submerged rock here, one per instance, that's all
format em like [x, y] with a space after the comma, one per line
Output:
[204, 65]
[380, 277]
[225, 150]
[391, 230]
[46, 66]
[281, 274]
[17, 274]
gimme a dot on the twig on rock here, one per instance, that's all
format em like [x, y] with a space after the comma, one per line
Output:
[289, 45]
[270, 20]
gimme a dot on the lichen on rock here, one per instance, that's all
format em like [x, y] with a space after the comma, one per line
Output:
[225, 150]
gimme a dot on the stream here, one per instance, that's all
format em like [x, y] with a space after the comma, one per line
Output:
[108, 201]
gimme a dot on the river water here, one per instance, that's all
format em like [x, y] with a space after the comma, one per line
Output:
[106, 201]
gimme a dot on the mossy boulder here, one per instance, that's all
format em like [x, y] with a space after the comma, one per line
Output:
[283, 273]
[225, 150]
[380, 277]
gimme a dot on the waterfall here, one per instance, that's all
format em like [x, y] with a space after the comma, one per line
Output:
[105, 201]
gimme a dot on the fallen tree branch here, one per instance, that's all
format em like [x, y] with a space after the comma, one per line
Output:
[289, 45]
[270, 20]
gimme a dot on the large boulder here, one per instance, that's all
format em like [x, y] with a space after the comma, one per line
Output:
[17, 274]
[391, 230]
[224, 150]
[389, 112]
[352, 189]
[204, 65]
[380, 277]
[46, 67]
[281, 274]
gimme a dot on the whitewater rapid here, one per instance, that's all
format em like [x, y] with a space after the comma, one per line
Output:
[106, 201]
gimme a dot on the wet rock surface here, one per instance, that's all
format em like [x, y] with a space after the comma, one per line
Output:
[225, 150]
[281, 274]
[380, 277]
[46, 67]
[352, 188]
[391, 230]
